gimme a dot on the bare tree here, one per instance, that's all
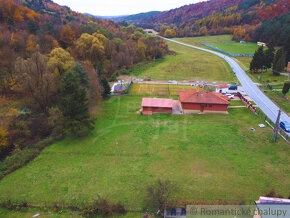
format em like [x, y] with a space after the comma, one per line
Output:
[38, 82]
[160, 194]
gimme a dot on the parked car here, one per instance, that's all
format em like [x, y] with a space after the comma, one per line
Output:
[233, 87]
[285, 126]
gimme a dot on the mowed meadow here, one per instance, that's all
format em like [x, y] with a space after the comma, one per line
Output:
[209, 157]
[187, 64]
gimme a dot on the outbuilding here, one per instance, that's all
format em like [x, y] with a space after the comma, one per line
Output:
[156, 105]
[119, 89]
[203, 102]
[222, 89]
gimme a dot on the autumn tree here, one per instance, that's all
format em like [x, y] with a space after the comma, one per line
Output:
[74, 106]
[37, 81]
[30, 44]
[60, 61]
[67, 35]
[3, 141]
[90, 48]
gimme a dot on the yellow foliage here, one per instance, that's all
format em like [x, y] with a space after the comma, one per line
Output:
[3, 139]
[30, 45]
[91, 47]
[60, 60]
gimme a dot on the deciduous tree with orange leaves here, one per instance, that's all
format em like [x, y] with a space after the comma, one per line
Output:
[67, 35]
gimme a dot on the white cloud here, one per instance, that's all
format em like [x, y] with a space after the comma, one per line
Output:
[122, 7]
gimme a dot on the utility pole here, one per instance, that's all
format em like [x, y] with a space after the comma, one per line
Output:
[263, 67]
[276, 129]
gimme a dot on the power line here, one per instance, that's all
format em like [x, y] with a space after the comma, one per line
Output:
[276, 129]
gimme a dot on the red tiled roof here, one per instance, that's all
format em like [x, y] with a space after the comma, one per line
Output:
[202, 97]
[157, 102]
[222, 86]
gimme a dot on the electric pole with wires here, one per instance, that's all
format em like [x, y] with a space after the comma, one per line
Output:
[276, 129]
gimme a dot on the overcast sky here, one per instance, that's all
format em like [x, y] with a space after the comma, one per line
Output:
[122, 7]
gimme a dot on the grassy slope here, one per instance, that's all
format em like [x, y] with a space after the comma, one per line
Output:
[188, 64]
[208, 156]
[223, 42]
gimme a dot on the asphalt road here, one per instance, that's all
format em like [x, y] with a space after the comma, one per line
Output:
[263, 102]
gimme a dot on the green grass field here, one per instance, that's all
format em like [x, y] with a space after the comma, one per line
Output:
[160, 89]
[223, 42]
[187, 64]
[209, 157]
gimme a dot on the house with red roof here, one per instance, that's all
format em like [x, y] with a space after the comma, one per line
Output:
[156, 105]
[203, 102]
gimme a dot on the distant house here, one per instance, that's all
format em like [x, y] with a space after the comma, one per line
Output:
[156, 105]
[222, 89]
[119, 89]
[203, 102]
[288, 67]
[261, 44]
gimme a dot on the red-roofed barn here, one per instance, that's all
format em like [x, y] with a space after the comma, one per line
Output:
[203, 102]
[156, 105]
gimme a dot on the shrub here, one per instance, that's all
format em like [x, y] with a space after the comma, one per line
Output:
[159, 195]
[3, 141]
[102, 207]
[272, 194]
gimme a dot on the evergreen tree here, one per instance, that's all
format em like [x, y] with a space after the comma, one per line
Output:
[269, 55]
[279, 61]
[258, 60]
[82, 75]
[74, 106]
[107, 88]
[287, 51]
[286, 87]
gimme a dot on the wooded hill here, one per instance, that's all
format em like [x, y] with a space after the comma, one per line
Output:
[238, 17]
[47, 49]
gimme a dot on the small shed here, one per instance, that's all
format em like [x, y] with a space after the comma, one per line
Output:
[120, 89]
[261, 44]
[156, 105]
[222, 89]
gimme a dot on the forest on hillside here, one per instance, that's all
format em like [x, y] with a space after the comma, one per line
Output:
[250, 20]
[55, 64]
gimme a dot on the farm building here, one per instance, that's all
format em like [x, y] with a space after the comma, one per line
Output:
[119, 89]
[261, 44]
[222, 89]
[203, 102]
[156, 105]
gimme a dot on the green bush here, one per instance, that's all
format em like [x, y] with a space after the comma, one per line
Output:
[21, 158]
